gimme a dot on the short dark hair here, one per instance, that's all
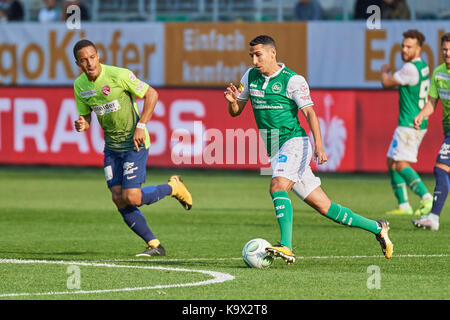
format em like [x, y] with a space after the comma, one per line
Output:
[415, 34]
[445, 38]
[80, 45]
[263, 39]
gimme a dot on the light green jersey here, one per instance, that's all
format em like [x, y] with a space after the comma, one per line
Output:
[275, 101]
[440, 88]
[412, 97]
[112, 97]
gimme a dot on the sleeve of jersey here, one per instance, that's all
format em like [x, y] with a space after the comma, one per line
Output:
[243, 87]
[407, 75]
[132, 84]
[433, 89]
[82, 108]
[298, 90]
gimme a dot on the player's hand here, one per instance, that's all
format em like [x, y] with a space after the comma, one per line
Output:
[386, 68]
[231, 93]
[418, 121]
[138, 138]
[320, 156]
[81, 124]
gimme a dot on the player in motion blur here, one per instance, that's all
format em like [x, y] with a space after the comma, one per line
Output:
[439, 89]
[276, 94]
[413, 82]
[110, 92]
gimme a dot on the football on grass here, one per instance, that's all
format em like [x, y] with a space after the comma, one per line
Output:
[254, 254]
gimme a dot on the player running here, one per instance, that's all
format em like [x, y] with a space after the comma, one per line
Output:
[110, 92]
[439, 89]
[276, 94]
[413, 82]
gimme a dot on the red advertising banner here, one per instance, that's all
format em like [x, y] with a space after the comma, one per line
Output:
[192, 128]
[377, 113]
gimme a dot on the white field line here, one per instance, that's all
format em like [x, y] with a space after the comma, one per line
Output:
[297, 257]
[218, 277]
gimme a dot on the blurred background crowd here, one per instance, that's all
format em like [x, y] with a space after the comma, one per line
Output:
[221, 10]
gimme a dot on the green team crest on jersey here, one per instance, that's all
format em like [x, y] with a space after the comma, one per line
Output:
[412, 98]
[112, 97]
[276, 115]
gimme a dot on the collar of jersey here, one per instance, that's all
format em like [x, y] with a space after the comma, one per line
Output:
[99, 76]
[276, 73]
[267, 78]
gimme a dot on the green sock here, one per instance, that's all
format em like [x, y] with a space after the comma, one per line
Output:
[414, 182]
[343, 215]
[283, 210]
[399, 186]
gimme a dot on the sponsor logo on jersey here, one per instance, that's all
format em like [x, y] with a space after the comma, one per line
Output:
[132, 77]
[106, 108]
[425, 71]
[140, 85]
[253, 85]
[441, 75]
[444, 94]
[266, 107]
[277, 87]
[257, 93]
[88, 93]
[106, 90]
[304, 89]
[282, 158]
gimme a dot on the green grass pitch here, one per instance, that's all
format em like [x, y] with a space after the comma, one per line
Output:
[62, 238]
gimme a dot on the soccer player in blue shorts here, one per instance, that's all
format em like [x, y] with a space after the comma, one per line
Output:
[439, 89]
[110, 93]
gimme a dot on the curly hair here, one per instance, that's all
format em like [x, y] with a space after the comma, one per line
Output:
[415, 34]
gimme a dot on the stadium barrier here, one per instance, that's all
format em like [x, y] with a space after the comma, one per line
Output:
[192, 128]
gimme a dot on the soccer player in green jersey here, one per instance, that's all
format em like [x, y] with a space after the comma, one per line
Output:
[439, 89]
[276, 94]
[413, 82]
[110, 93]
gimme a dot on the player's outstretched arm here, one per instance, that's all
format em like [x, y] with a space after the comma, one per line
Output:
[235, 106]
[427, 111]
[83, 123]
[319, 154]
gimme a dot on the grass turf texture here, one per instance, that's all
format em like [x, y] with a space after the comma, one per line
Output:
[66, 214]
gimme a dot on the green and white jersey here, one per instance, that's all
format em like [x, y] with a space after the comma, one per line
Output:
[275, 101]
[413, 92]
[440, 88]
[112, 97]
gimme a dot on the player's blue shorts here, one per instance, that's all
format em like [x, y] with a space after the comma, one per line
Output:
[444, 152]
[126, 169]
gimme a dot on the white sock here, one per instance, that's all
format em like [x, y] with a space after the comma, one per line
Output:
[404, 206]
[427, 196]
[433, 217]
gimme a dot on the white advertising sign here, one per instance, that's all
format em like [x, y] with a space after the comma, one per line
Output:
[350, 55]
[42, 54]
